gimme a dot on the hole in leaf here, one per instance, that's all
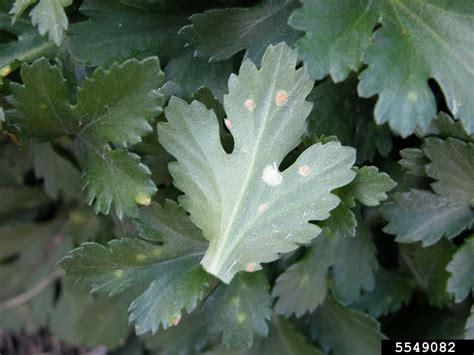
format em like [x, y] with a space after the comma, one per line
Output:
[7, 37]
[438, 94]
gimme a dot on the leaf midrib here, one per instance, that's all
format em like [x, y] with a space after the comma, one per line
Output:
[223, 240]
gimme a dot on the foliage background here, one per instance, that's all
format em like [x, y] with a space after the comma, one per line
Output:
[393, 79]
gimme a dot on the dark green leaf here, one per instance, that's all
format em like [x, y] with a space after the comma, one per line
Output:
[283, 339]
[219, 34]
[121, 32]
[339, 35]
[240, 309]
[101, 116]
[338, 111]
[452, 166]
[424, 216]
[59, 175]
[171, 270]
[83, 319]
[428, 267]
[414, 160]
[194, 73]
[303, 286]
[346, 330]
[392, 290]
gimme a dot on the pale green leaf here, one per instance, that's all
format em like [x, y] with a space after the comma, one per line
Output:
[461, 267]
[249, 210]
[28, 46]
[50, 17]
[240, 309]
[19, 6]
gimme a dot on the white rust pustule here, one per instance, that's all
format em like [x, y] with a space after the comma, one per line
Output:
[176, 319]
[271, 175]
[304, 170]
[251, 267]
[281, 97]
[262, 207]
[250, 104]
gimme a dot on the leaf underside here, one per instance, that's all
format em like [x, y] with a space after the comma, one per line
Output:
[249, 210]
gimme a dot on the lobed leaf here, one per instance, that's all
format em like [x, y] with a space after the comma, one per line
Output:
[428, 266]
[461, 281]
[337, 35]
[284, 339]
[424, 216]
[219, 34]
[370, 186]
[60, 176]
[339, 38]
[346, 330]
[124, 31]
[240, 309]
[48, 15]
[28, 46]
[239, 199]
[392, 290]
[171, 271]
[101, 117]
[339, 111]
[303, 286]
